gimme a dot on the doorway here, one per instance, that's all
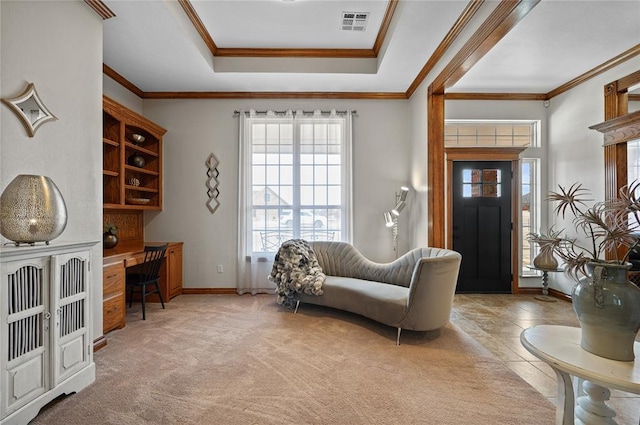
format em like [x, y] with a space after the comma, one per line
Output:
[482, 225]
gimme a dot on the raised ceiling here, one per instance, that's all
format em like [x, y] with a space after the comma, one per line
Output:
[299, 46]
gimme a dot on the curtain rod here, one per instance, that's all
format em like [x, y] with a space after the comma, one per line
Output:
[353, 111]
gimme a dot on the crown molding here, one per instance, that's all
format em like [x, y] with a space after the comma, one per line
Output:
[199, 26]
[384, 26]
[295, 53]
[624, 56]
[289, 53]
[100, 8]
[276, 95]
[108, 71]
[495, 96]
[620, 129]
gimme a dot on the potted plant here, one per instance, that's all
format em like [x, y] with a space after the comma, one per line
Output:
[606, 302]
[109, 236]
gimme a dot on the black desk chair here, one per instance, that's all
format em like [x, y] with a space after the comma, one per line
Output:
[147, 274]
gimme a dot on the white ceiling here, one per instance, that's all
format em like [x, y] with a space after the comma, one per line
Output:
[154, 45]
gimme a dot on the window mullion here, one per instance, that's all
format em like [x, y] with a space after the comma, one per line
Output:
[295, 211]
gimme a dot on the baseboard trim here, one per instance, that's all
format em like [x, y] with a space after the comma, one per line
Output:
[205, 291]
[99, 343]
[552, 292]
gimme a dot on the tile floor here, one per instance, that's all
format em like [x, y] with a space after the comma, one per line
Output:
[496, 322]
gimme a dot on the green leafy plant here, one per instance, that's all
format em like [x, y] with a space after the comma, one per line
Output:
[607, 226]
[110, 228]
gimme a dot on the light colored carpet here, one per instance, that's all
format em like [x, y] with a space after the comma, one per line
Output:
[228, 359]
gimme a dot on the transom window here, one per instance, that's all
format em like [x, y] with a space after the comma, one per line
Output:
[458, 133]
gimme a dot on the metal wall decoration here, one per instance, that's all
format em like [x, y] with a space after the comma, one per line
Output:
[212, 183]
[30, 109]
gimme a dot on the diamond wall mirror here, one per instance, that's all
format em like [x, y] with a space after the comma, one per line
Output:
[29, 108]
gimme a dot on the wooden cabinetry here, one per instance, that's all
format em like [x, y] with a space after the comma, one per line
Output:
[45, 327]
[113, 297]
[114, 283]
[127, 184]
[173, 285]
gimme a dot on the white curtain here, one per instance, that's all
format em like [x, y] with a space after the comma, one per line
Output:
[253, 268]
[347, 192]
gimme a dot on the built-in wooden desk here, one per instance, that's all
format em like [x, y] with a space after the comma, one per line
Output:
[113, 284]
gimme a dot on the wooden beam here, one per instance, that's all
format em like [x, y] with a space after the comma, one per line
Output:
[458, 26]
[503, 18]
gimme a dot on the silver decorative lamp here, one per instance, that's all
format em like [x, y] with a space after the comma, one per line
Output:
[32, 210]
[391, 217]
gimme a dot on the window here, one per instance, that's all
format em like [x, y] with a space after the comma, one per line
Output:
[483, 134]
[299, 180]
[529, 195]
[485, 183]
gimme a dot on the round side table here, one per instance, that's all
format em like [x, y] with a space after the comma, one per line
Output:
[545, 283]
[559, 347]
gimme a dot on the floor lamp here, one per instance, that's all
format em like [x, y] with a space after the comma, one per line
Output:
[391, 217]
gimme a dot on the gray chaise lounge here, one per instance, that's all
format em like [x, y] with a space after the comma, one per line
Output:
[414, 292]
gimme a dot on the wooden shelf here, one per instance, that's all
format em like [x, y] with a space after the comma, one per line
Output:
[140, 149]
[141, 170]
[117, 207]
[119, 125]
[141, 189]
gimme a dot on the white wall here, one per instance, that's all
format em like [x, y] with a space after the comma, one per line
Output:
[195, 128]
[122, 95]
[57, 45]
[575, 152]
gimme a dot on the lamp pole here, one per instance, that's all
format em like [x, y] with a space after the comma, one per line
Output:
[391, 217]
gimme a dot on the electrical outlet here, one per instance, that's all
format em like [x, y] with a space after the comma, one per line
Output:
[220, 270]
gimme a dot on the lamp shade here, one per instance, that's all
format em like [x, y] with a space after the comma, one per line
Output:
[403, 194]
[398, 208]
[32, 210]
[388, 220]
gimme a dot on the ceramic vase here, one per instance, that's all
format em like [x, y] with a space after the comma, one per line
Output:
[136, 160]
[608, 308]
[109, 240]
[545, 259]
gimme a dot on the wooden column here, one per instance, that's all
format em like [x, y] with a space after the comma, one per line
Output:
[435, 169]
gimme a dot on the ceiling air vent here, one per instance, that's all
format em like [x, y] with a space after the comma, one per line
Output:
[354, 21]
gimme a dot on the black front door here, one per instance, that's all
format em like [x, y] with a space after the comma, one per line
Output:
[482, 225]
